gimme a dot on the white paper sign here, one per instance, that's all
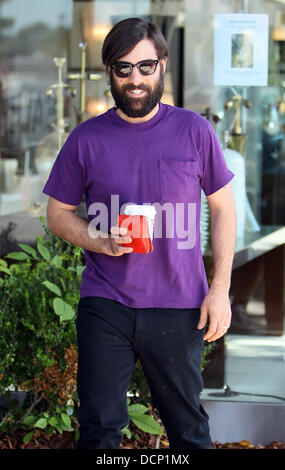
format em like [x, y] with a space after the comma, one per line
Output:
[241, 49]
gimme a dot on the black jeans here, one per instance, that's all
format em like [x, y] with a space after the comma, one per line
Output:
[111, 337]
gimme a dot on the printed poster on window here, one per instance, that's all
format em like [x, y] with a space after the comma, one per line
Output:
[241, 49]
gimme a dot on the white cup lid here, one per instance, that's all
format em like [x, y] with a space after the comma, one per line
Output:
[137, 209]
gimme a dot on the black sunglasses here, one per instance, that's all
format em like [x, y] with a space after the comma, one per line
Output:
[145, 67]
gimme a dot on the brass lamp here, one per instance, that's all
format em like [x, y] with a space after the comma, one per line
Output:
[60, 124]
[82, 76]
[238, 139]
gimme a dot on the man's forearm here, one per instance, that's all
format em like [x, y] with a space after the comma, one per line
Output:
[72, 228]
[223, 237]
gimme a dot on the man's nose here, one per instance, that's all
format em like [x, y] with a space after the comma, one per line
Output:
[135, 77]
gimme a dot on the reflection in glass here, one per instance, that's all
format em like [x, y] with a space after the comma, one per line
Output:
[33, 34]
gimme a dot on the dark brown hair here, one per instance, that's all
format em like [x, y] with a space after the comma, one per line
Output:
[125, 35]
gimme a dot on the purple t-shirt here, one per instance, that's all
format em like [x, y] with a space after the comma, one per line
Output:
[165, 162]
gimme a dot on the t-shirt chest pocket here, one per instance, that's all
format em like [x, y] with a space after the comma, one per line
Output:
[179, 181]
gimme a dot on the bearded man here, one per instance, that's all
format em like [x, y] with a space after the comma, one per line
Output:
[150, 307]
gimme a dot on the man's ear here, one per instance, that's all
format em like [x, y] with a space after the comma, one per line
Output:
[163, 63]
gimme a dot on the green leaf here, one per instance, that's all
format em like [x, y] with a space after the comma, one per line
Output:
[18, 255]
[29, 420]
[71, 269]
[60, 427]
[53, 421]
[66, 419]
[52, 287]
[62, 283]
[143, 421]
[41, 423]
[4, 427]
[57, 261]
[15, 268]
[5, 270]
[3, 263]
[127, 432]
[28, 249]
[147, 424]
[28, 325]
[137, 409]
[63, 309]
[44, 251]
[79, 270]
[28, 437]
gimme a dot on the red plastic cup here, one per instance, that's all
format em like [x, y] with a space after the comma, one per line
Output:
[138, 230]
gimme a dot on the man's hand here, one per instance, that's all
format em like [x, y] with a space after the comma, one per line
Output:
[113, 245]
[217, 305]
[62, 221]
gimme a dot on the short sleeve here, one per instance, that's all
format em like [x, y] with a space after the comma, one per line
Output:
[66, 180]
[215, 173]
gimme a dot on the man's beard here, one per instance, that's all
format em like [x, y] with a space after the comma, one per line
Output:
[137, 107]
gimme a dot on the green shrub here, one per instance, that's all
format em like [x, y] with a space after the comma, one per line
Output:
[39, 292]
